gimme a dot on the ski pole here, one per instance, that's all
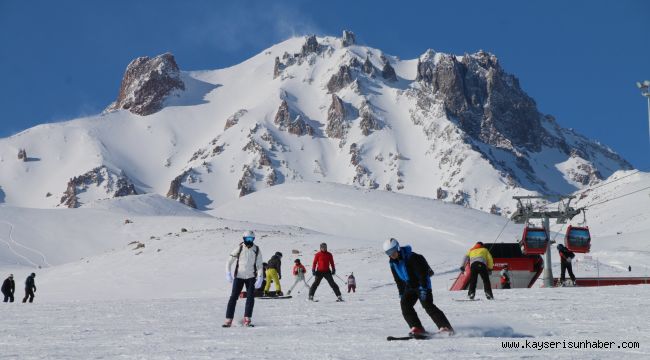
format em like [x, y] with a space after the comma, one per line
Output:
[344, 282]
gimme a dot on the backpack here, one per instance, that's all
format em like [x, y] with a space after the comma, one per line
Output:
[241, 248]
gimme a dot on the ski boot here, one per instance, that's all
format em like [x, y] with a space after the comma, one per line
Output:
[446, 330]
[247, 322]
[278, 293]
[339, 298]
[266, 294]
[471, 296]
[489, 297]
[418, 333]
[311, 298]
[227, 323]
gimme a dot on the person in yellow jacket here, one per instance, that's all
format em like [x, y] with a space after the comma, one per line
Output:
[480, 263]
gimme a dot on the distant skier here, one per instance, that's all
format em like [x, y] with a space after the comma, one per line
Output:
[321, 269]
[299, 272]
[352, 283]
[8, 288]
[412, 275]
[274, 274]
[30, 288]
[629, 268]
[247, 258]
[505, 277]
[481, 263]
[566, 256]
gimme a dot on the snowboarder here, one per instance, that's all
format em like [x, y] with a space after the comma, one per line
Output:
[480, 263]
[505, 277]
[8, 288]
[30, 288]
[247, 258]
[299, 272]
[352, 283]
[412, 276]
[566, 256]
[274, 274]
[321, 269]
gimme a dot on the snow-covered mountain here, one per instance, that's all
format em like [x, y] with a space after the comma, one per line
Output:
[456, 128]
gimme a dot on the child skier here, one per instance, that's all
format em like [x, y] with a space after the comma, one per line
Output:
[352, 283]
[274, 274]
[247, 258]
[505, 277]
[299, 272]
[412, 276]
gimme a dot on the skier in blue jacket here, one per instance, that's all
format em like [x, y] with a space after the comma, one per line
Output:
[412, 276]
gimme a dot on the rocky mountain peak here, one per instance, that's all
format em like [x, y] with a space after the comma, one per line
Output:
[146, 83]
[348, 38]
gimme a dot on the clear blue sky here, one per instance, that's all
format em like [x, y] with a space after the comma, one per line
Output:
[578, 59]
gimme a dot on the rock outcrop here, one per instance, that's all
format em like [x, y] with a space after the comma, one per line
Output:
[310, 46]
[340, 79]
[388, 73]
[368, 68]
[114, 185]
[146, 84]
[175, 192]
[337, 126]
[286, 120]
[368, 121]
[348, 38]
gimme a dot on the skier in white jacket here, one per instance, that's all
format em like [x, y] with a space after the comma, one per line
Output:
[247, 258]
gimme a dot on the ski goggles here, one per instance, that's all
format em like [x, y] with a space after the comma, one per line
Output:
[249, 238]
[391, 251]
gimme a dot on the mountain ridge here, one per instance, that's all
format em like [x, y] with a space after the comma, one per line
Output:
[316, 109]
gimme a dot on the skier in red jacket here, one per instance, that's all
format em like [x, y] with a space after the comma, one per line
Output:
[323, 260]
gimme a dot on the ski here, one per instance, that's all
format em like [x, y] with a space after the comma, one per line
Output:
[466, 299]
[410, 337]
[395, 338]
[276, 297]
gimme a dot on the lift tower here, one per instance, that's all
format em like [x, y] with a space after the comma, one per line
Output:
[563, 214]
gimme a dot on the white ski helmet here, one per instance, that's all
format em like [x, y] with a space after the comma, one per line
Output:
[248, 236]
[391, 246]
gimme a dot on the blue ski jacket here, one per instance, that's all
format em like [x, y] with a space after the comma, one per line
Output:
[410, 271]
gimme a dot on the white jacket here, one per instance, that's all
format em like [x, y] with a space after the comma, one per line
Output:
[247, 262]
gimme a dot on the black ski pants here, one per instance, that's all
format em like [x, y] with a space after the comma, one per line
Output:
[476, 269]
[29, 294]
[407, 303]
[564, 266]
[328, 276]
[9, 297]
[237, 286]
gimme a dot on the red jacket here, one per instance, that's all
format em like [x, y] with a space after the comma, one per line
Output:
[322, 261]
[299, 267]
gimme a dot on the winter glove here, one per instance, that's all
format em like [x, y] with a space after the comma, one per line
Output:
[423, 295]
[313, 272]
[462, 269]
[333, 271]
[258, 282]
[229, 277]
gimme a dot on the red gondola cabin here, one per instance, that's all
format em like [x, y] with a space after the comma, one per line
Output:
[534, 241]
[578, 239]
